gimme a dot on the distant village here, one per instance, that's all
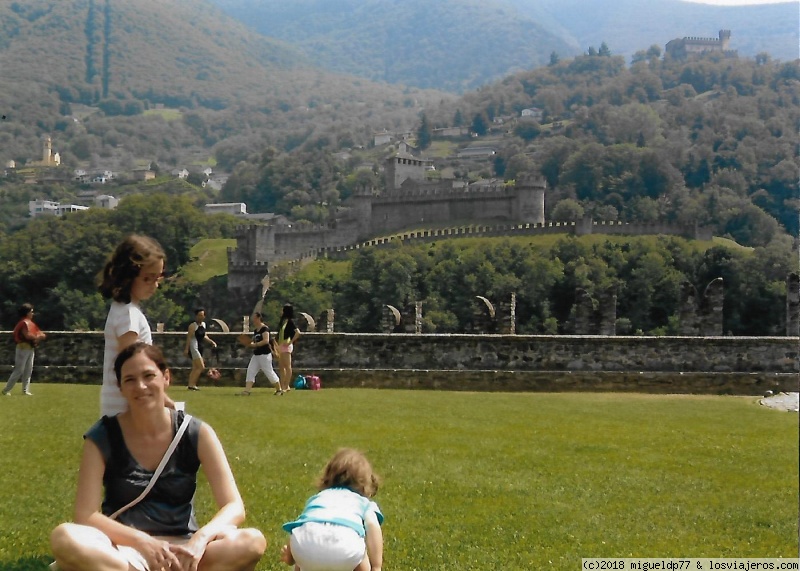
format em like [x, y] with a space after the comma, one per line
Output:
[43, 171]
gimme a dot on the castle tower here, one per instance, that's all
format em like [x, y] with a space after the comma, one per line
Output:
[530, 199]
[248, 263]
[362, 206]
[403, 166]
[47, 151]
[724, 39]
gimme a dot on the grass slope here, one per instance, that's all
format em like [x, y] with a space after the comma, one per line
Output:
[471, 481]
[209, 259]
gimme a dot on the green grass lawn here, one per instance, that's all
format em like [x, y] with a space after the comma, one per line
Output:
[209, 259]
[472, 481]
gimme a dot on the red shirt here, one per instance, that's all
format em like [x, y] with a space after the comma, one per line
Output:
[26, 331]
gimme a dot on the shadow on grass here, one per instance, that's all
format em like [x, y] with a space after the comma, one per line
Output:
[39, 563]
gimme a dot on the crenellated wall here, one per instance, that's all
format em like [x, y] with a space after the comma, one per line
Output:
[414, 201]
[409, 200]
[582, 227]
[705, 365]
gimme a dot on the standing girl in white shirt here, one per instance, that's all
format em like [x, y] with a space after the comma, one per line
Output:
[130, 276]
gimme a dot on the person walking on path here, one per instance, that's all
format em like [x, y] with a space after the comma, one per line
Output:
[288, 335]
[263, 350]
[27, 336]
[194, 337]
[131, 276]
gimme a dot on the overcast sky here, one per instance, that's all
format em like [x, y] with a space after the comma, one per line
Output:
[741, 2]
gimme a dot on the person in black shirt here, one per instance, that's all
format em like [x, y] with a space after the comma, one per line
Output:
[263, 349]
[120, 456]
[194, 339]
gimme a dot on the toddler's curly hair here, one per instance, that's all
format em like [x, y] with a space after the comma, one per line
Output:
[349, 468]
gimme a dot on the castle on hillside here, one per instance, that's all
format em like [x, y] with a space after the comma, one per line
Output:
[409, 199]
[683, 47]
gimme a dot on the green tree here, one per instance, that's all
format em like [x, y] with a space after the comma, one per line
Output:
[567, 210]
[480, 124]
[424, 132]
[527, 129]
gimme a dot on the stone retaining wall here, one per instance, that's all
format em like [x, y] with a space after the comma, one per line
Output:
[711, 365]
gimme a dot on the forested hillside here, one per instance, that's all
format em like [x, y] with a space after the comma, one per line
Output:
[120, 84]
[454, 45]
[711, 141]
[458, 45]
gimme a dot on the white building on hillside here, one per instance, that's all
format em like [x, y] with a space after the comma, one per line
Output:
[235, 208]
[533, 112]
[42, 207]
[106, 201]
[65, 208]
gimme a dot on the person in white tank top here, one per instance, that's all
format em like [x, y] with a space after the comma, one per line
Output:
[130, 276]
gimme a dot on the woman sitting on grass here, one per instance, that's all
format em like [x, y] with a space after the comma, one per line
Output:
[340, 527]
[120, 456]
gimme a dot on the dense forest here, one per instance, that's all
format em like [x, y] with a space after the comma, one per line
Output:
[646, 274]
[711, 141]
[53, 263]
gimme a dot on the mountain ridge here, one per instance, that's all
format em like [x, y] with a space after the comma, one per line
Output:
[403, 42]
[451, 44]
[627, 24]
[120, 60]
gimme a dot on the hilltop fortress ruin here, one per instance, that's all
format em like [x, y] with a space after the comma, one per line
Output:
[681, 48]
[410, 200]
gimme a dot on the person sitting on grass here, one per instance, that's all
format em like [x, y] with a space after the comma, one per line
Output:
[340, 527]
[121, 454]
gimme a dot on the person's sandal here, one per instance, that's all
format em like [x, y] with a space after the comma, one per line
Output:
[277, 393]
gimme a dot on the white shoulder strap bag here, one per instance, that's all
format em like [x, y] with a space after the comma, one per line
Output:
[172, 446]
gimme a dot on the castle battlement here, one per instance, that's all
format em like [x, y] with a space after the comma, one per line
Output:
[410, 200]
[237, 265]
[456, 193]
[444, 194]
[578, 228]
[679, 48]
[303, 228]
